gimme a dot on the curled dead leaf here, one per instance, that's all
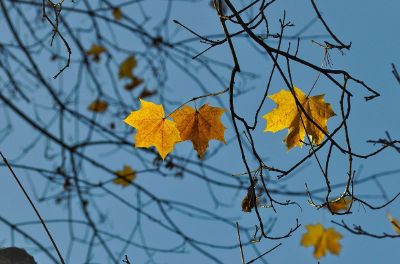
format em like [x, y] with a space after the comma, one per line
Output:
[342, 204]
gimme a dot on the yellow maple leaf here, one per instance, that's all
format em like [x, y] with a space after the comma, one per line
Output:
[395, 223]
[95, 51]
[117, 13]
[340, 205]
[286, 115]
[322, 239]
[200, 126]
[98, 106]
[125, 176]
[153, 129]
[126, 68]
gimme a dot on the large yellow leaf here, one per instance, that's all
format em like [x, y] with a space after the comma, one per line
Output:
[125, 176]
[286, 115]
[153, 129]
[322, 240]
[95, 51]
[200, 126]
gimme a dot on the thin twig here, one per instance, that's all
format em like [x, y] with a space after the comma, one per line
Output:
[240, 242]
[34, 208]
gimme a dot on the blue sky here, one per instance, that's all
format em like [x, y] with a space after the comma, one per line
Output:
[370, 26]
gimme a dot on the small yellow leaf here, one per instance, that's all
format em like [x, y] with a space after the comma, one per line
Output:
[200, 126]
[153, 129]
[286, 115]
[395, 223]
[125, 176]
[322, 240]
[341, 205]
[95, 51]
[117, 13]
[98, 106]
[126, 68]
